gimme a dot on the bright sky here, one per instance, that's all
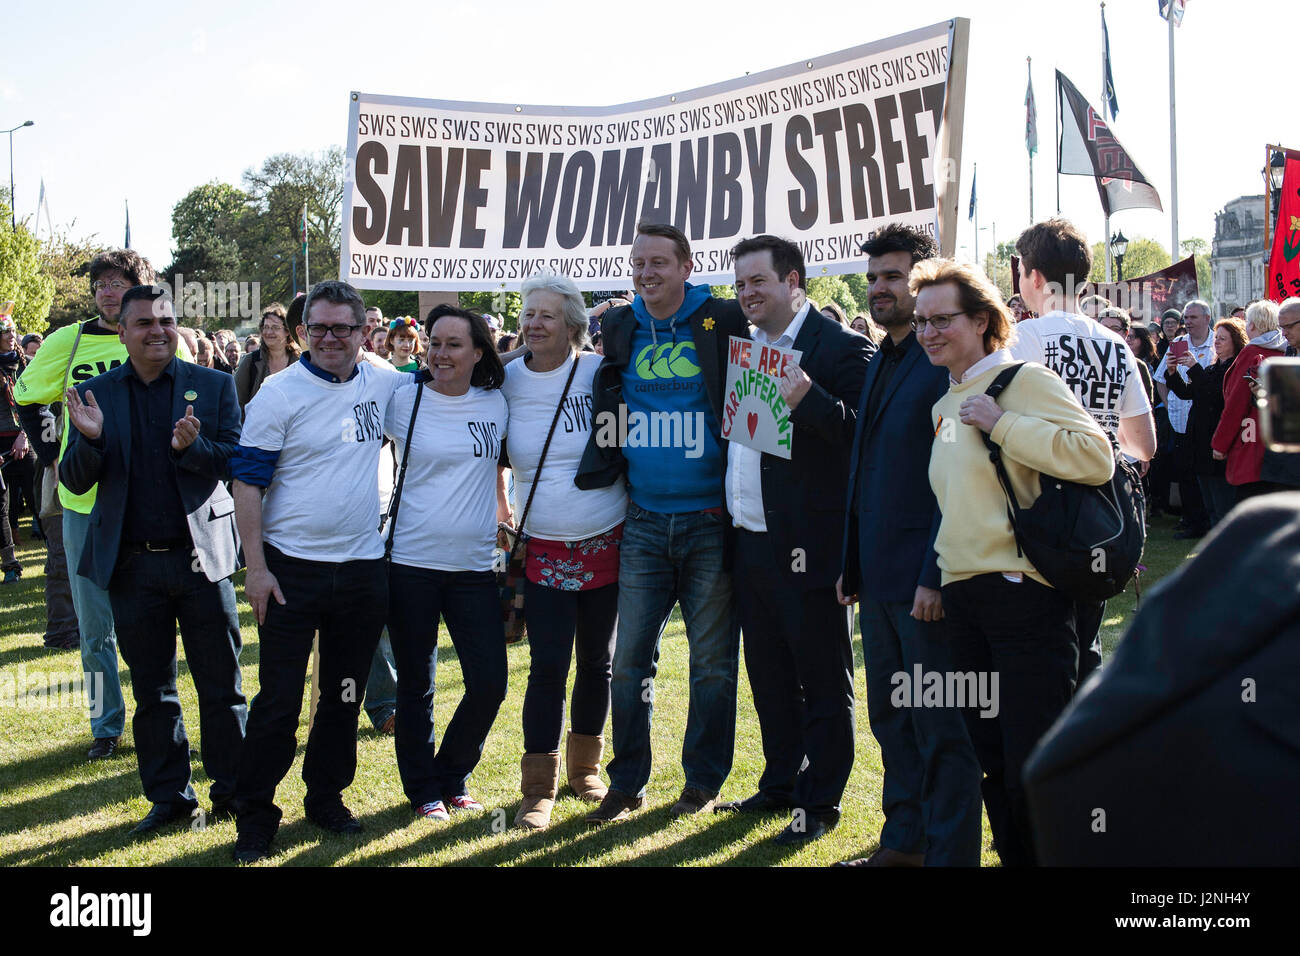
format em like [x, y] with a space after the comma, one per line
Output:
[147, 109]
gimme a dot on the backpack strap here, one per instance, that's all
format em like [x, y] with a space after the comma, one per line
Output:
[996, 388]
[390, 519]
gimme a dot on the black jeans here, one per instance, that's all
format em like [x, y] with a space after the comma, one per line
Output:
[1087, 628]
[470, 604]
[1023, 635]
[19, 481]
[152, 592]
[799, 658]
[557, 620]
[346, 603]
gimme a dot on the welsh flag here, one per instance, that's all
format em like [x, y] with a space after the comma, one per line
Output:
[302, 230]
[1173, 10]
[1283, 279]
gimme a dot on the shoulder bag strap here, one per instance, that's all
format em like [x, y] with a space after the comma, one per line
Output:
[995, 389]
[391, 517]
[545, 448]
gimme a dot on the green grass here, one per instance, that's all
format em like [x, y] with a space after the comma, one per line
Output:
[56, 808]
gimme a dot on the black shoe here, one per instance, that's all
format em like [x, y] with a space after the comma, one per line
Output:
[336, 819]
[161, 815]
[68, 642]
[758, 803]
[103, 748]
[252, 846]
[803, 830]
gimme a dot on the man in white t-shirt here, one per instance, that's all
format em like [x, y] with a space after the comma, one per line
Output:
[312, 438]
[1200, 345]
[1095, 362]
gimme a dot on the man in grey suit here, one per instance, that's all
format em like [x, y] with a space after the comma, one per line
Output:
[156, 434]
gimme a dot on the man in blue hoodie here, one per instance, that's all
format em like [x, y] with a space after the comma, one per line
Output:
[657, 401]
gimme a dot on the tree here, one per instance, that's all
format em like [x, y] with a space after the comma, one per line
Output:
[209, 226]
[824, 289]
[277, 193]
[1144, 256]
[66, 262]
[393, 304]
[997, 266]
[1204, 274]
[22, 279]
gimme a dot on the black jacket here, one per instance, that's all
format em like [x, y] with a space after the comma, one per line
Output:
[1204, 388]
[804, 495]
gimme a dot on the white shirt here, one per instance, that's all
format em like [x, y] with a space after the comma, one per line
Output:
[447, 517]
[1095, 362]
[1180, 408]
[992, 360]
[744, 464]
[561, 511]
[323, 500]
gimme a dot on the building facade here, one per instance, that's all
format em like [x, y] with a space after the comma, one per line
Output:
[1238, 259]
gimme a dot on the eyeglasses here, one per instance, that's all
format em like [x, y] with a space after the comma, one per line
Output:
[1284, 326]
[340, 331]
[117, 285]
[940, 322]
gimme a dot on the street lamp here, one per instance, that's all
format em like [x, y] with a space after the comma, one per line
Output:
[1274, 172]
[1119, 246]
[13, 220]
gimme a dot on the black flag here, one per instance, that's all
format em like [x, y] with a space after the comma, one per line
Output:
[1108, 99]
[1088, 148]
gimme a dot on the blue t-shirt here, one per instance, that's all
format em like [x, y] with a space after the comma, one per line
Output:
[674, 461]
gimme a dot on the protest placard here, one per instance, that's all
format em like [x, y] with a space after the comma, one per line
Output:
[475, 196]
[753, 411]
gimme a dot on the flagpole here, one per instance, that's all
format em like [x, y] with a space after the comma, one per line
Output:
[1030, 70]
[1105, 101]
[975, 205]
[1106, 244]
[1173, 142]
[1056, 159]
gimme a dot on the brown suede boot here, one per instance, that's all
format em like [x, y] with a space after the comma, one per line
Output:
[582, 760]
[540, 779]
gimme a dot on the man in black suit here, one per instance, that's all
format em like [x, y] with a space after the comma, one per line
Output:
[156, 434]
[931, 795]
[789, 514]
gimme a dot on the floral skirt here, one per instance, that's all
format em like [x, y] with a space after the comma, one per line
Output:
[574, 565]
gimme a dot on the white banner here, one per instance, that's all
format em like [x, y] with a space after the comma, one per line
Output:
[474, 196]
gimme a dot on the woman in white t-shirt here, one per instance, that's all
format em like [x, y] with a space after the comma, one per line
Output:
[443, 555]
[573, 547]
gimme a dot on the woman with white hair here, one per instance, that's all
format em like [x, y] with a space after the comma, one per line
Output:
[1237, 438]
[571, 591]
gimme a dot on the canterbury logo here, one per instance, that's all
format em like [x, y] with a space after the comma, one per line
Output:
[667, 361]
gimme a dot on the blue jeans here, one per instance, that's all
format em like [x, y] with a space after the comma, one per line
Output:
[931, 793]
[98, 638]
[668, 558]
[381, 688]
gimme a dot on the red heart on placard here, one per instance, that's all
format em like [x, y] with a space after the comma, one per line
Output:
[753, 423]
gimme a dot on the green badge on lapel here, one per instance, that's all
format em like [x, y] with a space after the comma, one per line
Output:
[191, 395]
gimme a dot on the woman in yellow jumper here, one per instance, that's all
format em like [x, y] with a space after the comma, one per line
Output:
[1006, 625]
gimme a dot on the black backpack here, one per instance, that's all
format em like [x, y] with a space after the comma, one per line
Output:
[1086, 540]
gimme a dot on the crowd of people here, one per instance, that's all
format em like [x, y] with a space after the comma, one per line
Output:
[371, 475]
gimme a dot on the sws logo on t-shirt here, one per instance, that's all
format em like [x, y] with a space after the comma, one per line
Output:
[85, 371]
[366, 424]
[575, 414]
[487, 441]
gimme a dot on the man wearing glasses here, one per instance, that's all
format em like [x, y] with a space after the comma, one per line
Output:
[312, 437]
[71, 356]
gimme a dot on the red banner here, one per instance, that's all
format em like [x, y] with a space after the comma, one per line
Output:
[1284, 262]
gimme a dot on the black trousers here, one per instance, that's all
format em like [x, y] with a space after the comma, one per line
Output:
[471, 605]
[1087, 628]
[1195, 515]
[152, 592]
[799, 658]
[346, 602]
[1023, 635]
[19, 481]
[559, 621]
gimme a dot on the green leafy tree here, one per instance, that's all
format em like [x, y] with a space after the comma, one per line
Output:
[22, 278]
[209, 226]
[1144, 256]
[860, 289]
[393, 304]
[277, 192]
[1204, 274]
[997, 266]
[824, 289]
[66, 261]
